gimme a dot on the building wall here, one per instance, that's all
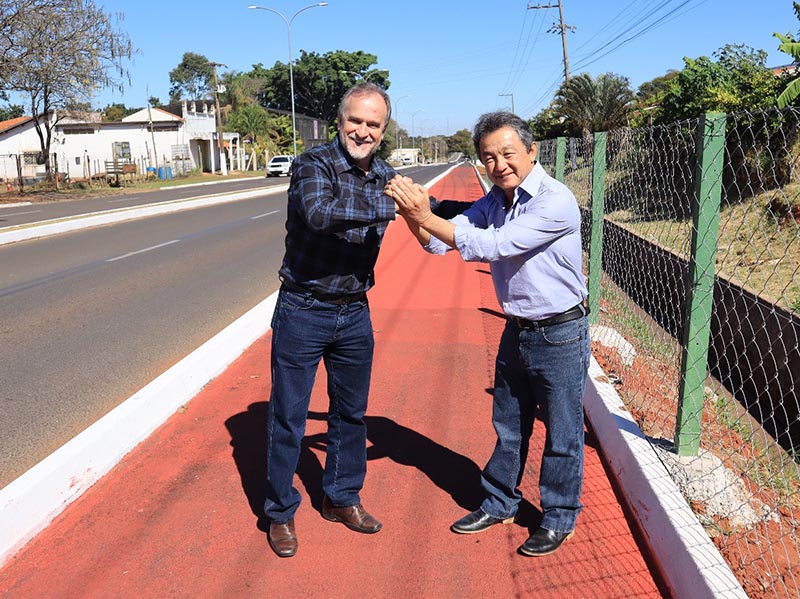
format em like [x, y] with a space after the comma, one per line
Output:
[82, 146]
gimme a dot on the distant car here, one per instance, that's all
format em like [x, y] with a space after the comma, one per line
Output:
[279, 165]
[408, 160]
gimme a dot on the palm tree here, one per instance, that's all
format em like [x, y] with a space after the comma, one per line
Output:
[589, 104]
[791, 47]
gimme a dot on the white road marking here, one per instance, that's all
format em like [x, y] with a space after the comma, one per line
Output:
[155, 247]
[265, 214]
[20, 213]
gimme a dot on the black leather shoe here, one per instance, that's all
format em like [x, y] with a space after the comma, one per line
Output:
[354, 517]
[477, 521]
[282, 538]
[544, 542]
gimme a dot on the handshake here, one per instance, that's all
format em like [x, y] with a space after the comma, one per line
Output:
[411, 199]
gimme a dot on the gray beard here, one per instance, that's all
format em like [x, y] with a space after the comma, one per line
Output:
[343, 139]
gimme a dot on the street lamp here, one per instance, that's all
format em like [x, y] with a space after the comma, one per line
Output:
[397, 121]
[291, 71]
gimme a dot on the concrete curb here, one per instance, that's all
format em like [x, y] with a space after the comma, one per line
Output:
[29, 503]
[94, 219]
[210, 182]
[689, 561]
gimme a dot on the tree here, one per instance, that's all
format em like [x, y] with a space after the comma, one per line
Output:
[547, 124]
[116, 112]
[57, 53]
[192, 79]
[790, 46]
[11, 111]
[589, 104]
[737, 80]
[461, 141]
[649, 97]
[319, 81]
[251, 121]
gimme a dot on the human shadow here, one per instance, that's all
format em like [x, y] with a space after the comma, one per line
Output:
[248, 432]
[452, 472]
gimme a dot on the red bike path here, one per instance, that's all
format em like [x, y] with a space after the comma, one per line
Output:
[180, 516]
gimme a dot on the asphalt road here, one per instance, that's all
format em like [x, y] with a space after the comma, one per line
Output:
[90, 317]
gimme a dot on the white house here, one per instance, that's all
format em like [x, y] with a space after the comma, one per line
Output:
[83, 145]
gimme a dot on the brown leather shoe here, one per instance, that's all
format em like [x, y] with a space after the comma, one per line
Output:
[353, 517]
[282, 538]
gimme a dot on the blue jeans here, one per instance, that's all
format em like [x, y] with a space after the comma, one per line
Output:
[539, 372]
[305, 331]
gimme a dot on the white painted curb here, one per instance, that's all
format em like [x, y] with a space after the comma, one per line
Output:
[689, 560]
[94, 219]
[29, 503]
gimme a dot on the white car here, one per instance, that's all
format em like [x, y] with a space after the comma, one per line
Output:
[279, 165]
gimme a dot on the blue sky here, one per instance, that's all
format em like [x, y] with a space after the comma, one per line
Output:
[448, 61]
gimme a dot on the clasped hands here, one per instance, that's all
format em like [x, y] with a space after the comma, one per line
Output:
[411, 199]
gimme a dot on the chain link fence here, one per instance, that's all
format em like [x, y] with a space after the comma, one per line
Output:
[696, 285]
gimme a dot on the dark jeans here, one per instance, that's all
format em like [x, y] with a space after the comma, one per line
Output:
[539, 372]
[305, 331]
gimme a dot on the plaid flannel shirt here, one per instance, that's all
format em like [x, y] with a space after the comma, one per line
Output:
[336, 218]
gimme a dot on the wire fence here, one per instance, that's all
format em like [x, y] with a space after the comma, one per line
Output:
[694, 269]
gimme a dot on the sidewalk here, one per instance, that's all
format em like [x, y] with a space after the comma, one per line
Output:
[180, 516]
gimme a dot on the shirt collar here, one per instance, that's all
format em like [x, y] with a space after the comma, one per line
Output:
[533, 181]
[530, 185]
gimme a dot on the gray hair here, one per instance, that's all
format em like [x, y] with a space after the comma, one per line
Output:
[492, 121]
[362, 89]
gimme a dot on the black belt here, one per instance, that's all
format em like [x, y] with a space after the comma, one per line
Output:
[338, 300]
[571, 314]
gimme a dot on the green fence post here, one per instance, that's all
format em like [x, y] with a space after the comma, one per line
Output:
[702, 273]
[598, 212]
[561, 154]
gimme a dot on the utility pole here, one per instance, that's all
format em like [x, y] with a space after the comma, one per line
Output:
[152, 133]
[512, 101]
[220, 141]
[561, 27]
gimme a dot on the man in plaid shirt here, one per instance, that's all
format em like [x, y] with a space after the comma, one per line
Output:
[337, 215]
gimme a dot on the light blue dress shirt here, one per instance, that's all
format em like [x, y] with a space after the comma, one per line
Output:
[534, 248]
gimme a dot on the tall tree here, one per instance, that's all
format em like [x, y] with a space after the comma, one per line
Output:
[56, 54]
[319, 81]
[790, 46]
[192, 79]
[589, 104]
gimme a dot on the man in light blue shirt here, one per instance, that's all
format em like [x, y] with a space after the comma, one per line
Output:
[528, 229]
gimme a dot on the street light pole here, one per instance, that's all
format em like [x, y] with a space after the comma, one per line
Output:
[291, 70]
[397, 121]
